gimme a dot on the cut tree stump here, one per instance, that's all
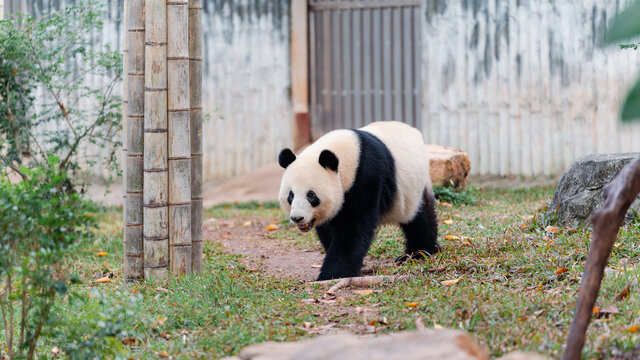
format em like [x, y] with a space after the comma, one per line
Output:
[619, 194]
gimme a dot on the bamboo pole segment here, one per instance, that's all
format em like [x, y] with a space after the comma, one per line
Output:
[133, 268]
[179, 137]
[195, 98]
[125, 104]
[156, 221]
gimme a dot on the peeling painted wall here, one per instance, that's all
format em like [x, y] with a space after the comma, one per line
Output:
[525, 86]
[246, 84]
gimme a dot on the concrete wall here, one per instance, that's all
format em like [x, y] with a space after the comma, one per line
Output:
[525, 86]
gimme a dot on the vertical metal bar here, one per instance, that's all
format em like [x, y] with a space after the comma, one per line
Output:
[367, 76]
[376, 40]
[336, 70]
[417, 66]
[347, 115]
[386, 64]
[408, 47]
[396, 63]
[313, 69]
[357, 69]
[327, 109]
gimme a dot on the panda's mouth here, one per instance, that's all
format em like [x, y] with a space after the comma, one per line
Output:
[306, 227]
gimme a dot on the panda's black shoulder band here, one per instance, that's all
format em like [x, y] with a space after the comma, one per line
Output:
[286, 157]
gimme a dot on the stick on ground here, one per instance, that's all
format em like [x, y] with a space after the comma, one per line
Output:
[359, 281]
[619, 194]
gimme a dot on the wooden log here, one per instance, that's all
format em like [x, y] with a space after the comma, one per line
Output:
[179, 136]
[619, 194]
[195, 99]
[133, 239]
[156, 190]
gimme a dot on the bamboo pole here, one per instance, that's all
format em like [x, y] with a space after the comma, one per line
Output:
[156, 228]
[135, 113]
[125, 105]
[195, 96]
[179, 137]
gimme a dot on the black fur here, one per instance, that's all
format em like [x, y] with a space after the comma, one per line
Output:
[346, 238]
[286, 157]
[328, 160]
[422, 232]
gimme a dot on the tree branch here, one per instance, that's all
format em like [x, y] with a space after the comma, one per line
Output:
[619, 194]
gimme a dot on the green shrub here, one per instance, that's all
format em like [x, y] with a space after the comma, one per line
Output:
[76, 107]
[453, 196]
[41, 218]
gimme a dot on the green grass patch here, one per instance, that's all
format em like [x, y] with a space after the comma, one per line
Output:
[511, 294]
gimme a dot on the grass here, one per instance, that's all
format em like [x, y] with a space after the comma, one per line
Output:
[517, 287]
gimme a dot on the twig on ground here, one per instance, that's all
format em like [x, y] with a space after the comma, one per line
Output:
[619, 194]
[359, 281]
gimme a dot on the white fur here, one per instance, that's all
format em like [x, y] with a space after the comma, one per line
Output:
[412, 167]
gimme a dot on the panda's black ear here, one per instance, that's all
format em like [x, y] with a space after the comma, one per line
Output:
[328, 160]
[286, 157]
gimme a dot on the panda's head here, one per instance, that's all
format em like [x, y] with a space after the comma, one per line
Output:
[311, 191]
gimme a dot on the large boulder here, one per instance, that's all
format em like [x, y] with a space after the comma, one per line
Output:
[579, 191]
[448, 166]
[424, 345]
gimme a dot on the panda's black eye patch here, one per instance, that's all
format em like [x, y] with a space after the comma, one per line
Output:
[313, 198]
[290, 198]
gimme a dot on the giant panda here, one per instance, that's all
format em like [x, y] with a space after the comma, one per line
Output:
[350, 181]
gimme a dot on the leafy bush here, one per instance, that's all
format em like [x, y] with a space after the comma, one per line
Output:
[75, 108]
[41, 218]
[451, 195]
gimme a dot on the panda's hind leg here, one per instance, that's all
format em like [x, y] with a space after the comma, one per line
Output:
[421, 232]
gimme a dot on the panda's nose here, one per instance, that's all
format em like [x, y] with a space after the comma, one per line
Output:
[297, 219]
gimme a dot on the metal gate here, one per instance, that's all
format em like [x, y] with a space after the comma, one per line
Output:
[365, 58]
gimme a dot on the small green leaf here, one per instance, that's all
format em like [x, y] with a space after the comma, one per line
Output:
[625, 25]
[631, 107]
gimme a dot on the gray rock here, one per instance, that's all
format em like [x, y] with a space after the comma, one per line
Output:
[425, 345]
[579, 191]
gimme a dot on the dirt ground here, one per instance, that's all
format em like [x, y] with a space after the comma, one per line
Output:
[246, 236]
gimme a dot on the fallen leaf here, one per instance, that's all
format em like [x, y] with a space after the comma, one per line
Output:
[623, 294]
[246, 223]
[446, 204]
[452, 237]
[448, 222]
[363, 292]
[552, 229]
[129, 341]
[102, 280]
[633, 329]
[412, 304]
[252, 269]
[359, 309]
[309, 301]
[272, 227]
[561, 270]
[527, 217]
[307, 325]
[451, 282]
[316, 266]
[164, 354]
[161, 320]
[538, 313]
[161, 289]
[609, 310]
[436, 326]
[55, 351]
[101, 254]
[595, 309]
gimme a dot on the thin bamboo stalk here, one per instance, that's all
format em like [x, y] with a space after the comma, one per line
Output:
[156, 228]
[195, 98]
[179, 137]
[133, 268]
